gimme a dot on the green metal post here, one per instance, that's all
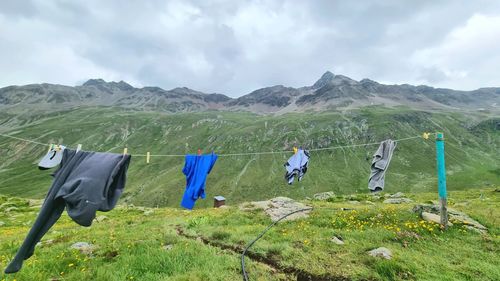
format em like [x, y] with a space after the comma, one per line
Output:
[441, 169]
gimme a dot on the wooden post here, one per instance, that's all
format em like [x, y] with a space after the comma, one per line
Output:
[441, 169]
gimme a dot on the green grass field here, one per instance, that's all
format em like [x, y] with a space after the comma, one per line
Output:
[171, 244]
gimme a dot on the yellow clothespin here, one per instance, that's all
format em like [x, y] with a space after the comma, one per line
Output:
[57, 147]
[78, 147]
[148, 155]
[124, 151]
[426, 135]
[295, 150]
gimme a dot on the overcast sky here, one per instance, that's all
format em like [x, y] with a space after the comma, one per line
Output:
[234, 47]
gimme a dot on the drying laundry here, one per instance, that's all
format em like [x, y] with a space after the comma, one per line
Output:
[52, 158]
[84, 183]
[380, 164]
[196, 169]
[296, 166]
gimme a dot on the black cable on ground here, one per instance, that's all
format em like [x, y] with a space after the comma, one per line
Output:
[244, 272]
[245, 276]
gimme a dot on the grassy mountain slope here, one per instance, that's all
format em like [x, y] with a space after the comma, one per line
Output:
[472, 145]
[167, 244]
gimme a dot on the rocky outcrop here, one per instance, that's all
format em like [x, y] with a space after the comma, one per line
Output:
[279, 207]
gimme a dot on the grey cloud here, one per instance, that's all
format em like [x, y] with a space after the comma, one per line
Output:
[234, 47]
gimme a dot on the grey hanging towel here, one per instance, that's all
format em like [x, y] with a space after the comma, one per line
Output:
[296, 166]
[84, 183]
[380, 163]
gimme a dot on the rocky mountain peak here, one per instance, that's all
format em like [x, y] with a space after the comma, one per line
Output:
[94, 82]
[326, 78]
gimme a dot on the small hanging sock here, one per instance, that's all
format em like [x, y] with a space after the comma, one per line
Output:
[52, 158]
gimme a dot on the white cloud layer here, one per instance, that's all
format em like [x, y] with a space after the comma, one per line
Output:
[233, 47]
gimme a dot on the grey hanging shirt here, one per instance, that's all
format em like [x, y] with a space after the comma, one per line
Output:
[84, 183]
[380, 163]
[296, 166]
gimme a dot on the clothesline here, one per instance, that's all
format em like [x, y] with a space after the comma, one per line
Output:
[235, 154]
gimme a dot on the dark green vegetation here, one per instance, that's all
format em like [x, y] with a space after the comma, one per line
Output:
[472, 145]
[171, 244]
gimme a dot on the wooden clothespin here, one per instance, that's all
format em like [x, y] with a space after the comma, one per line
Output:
[125, 151]
[426, 135]
[148, 155]
[78, 147]
[199, 151]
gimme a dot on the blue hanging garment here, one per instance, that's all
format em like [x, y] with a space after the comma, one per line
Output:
[196, 168]
[296, 166]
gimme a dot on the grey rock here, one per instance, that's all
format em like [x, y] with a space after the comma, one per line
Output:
[454, 216]
[397, 195]
[324, 195]
[381, 252]
[168, 247]
[84, 247]
[397, 200]
[337, 240]
[278, 207]
[430, 217]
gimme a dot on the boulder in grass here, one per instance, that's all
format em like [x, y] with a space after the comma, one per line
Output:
[84, 248]
[398, 195]
[381, 252]
[430, 217]
[337, 240]
[279, 207]
[324, 195]
[397, 200]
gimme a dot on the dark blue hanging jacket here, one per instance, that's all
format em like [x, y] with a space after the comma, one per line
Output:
[196, 169]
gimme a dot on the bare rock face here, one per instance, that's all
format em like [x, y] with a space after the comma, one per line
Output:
[279, 207]
[381, 252]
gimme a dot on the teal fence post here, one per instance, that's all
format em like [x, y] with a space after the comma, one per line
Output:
[441, 169]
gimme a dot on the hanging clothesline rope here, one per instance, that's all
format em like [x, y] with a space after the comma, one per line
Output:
[236, 154]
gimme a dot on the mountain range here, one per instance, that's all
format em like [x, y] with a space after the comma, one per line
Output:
[330, 92]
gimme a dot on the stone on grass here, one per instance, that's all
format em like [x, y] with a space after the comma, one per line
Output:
[337, 240]
[381, 252]
[398, 195]
[324, 195]
[430, 217]
[84, 248]
[278, 207]
[168, 247]
[454, 216]
[397, 200]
